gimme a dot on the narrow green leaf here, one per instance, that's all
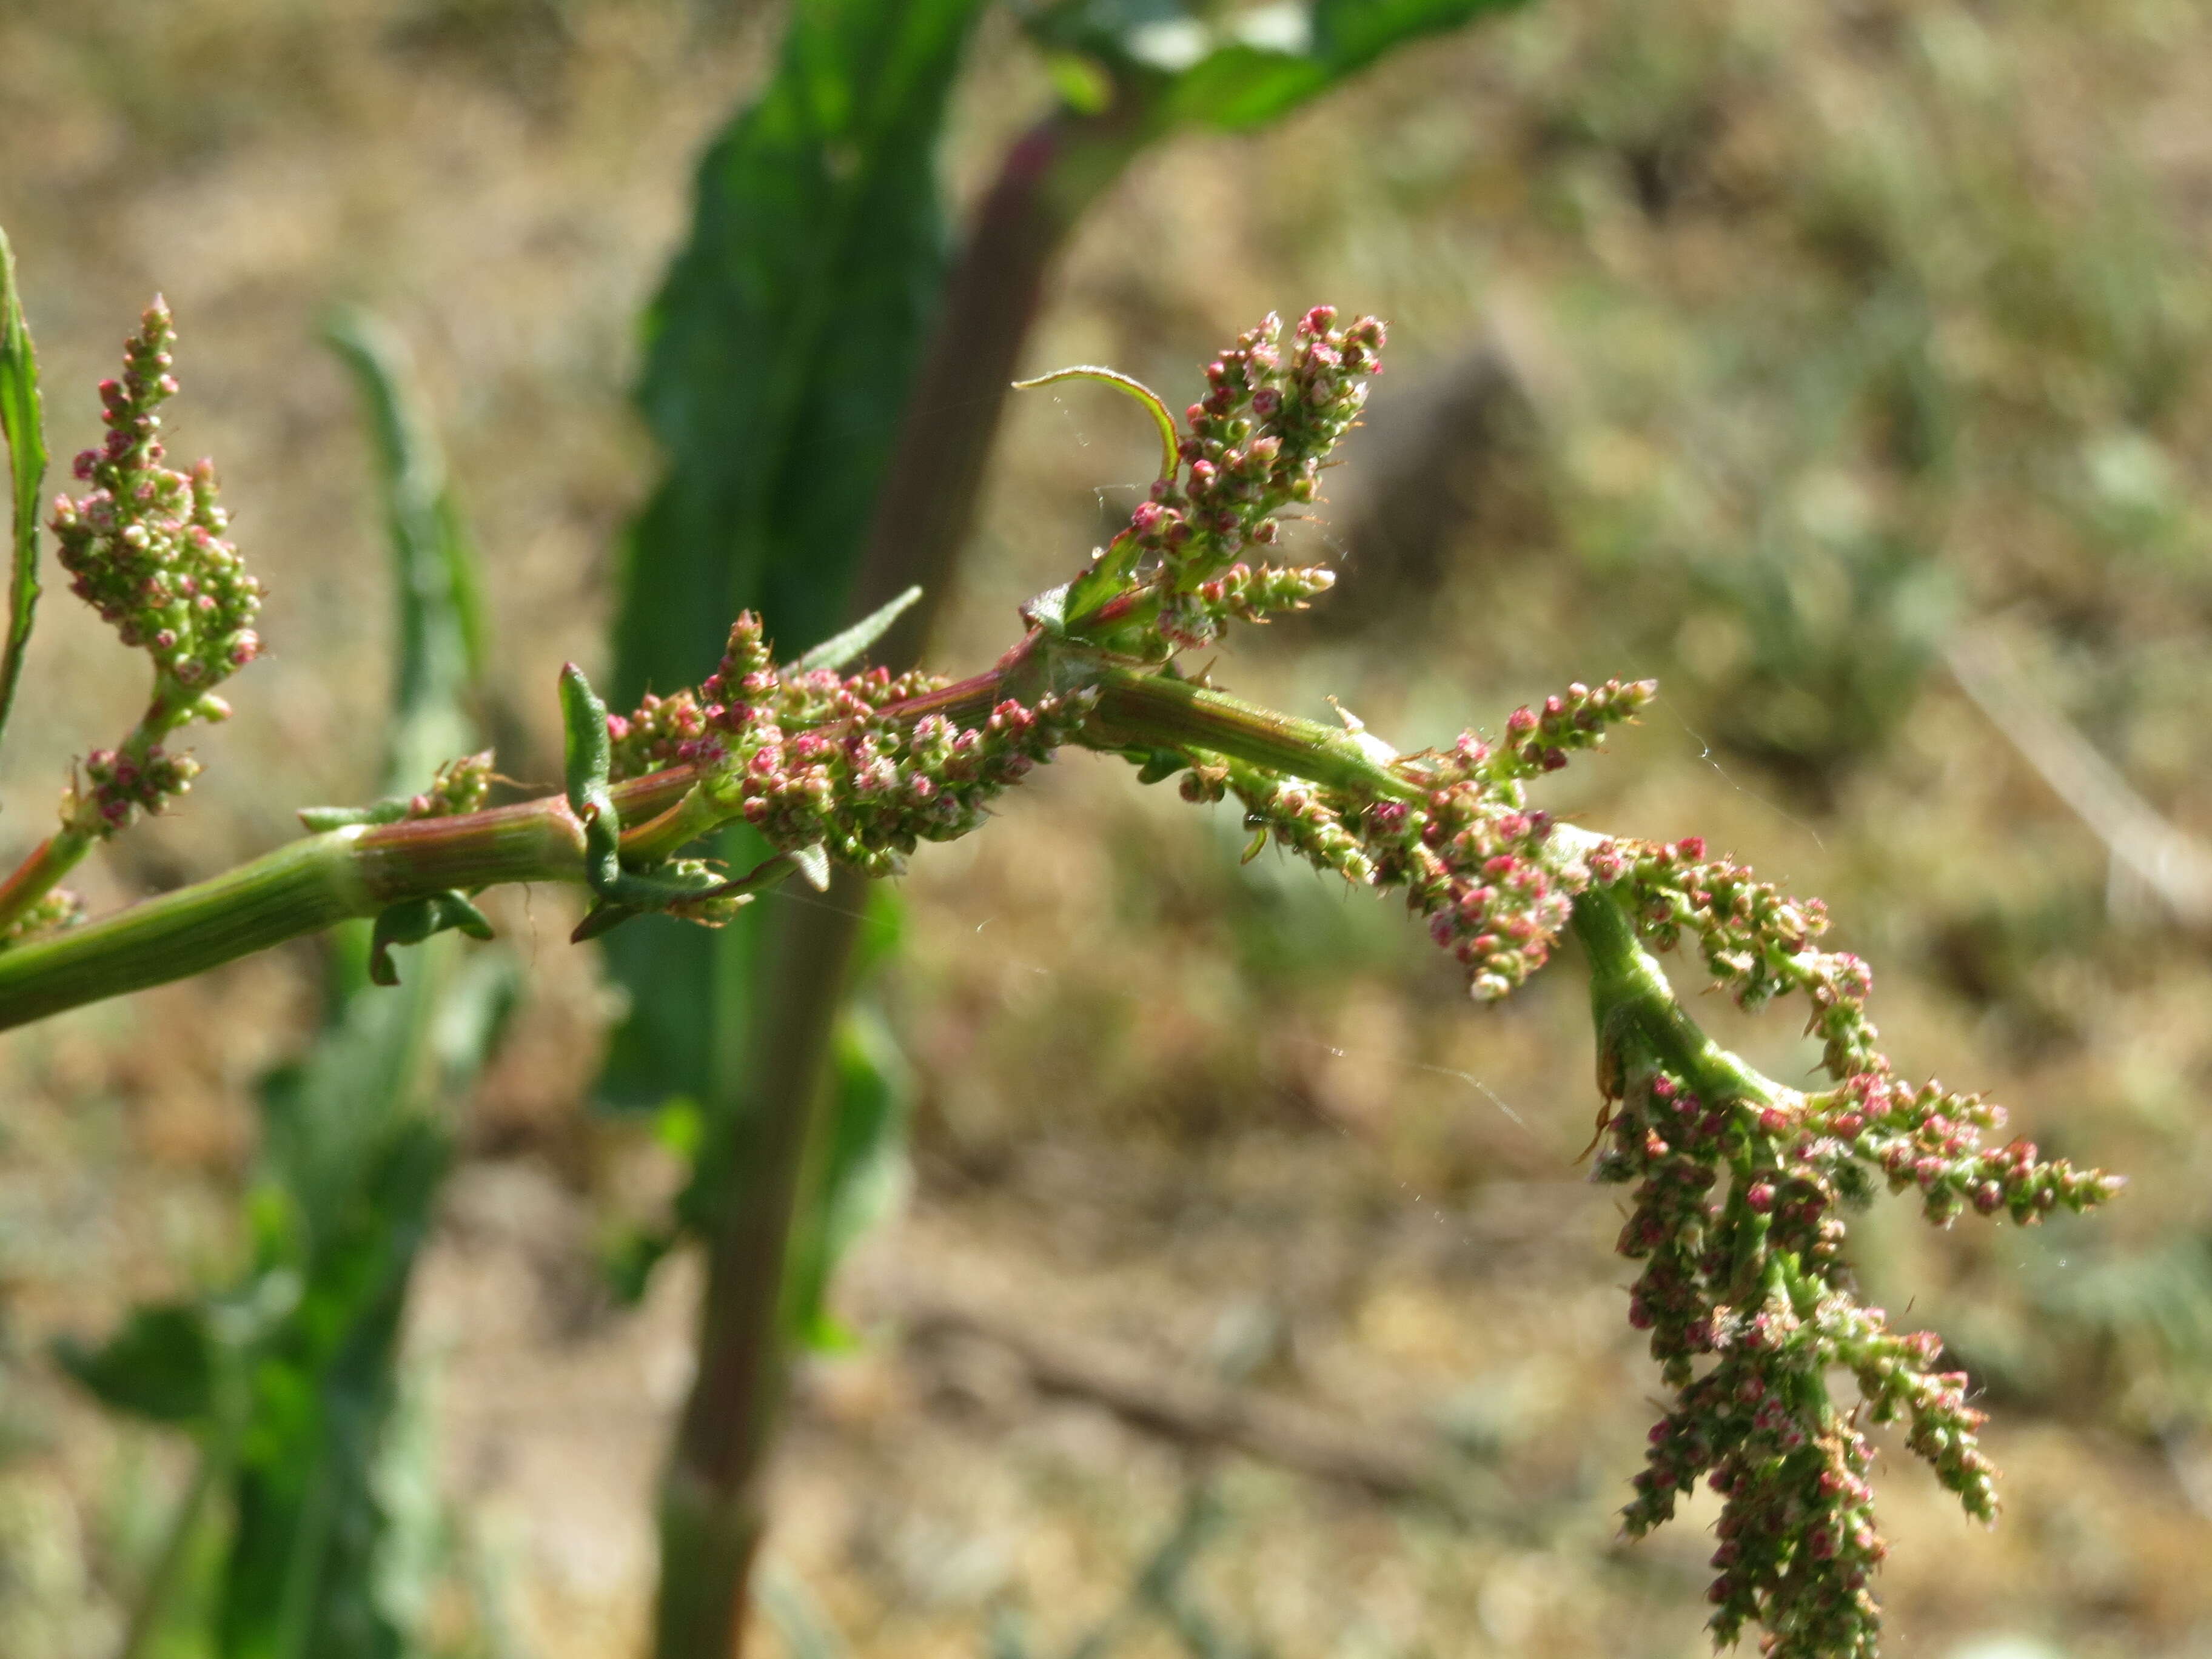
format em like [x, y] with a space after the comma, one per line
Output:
[440, 645]
[586, 751]
[839, 649]
[780, 349]
[21, 425]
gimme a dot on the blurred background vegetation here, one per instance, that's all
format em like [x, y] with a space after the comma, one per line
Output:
[1840, 363]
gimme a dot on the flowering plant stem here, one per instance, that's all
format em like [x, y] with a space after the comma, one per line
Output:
[309, 884]
[85, 827]
[360, 869]
[1631, 1004]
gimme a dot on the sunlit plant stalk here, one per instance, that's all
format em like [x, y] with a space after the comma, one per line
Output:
[1742, 1182]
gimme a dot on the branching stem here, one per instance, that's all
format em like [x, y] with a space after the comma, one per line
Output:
[321, 880]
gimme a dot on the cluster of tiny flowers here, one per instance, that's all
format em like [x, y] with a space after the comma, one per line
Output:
[116, 788]
[1255, 446]
[54, 911]
[870, 794]
[458, 786]
[1293, 811]
[1538, 740]
[1927, 1138]
[1755, 1282]
[1744, 1294]
[1469, 855]
[663, 731]
[1758, 942]
[816, 758]
[1753, 1285]
[701, 726]
[145, 546]
[1241, 593]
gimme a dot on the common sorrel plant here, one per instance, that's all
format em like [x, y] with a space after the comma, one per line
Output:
[1743, 1183]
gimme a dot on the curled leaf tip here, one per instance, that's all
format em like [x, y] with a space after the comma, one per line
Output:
[1128, 384]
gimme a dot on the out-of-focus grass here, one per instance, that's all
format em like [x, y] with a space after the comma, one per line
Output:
[1827, 329]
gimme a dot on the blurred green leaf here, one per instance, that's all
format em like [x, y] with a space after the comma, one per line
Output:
[301, 1575]
[441, 640]
[839, 649]
[780, 352]
[159, 1366]
[1240, 68]
[20, 423]
[859, 1172]
[781, 346]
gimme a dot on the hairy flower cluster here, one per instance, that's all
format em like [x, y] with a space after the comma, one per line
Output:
[663, 731]
[145, 547]
[871, 794]
[816, 758]
[1272, 410]
[1757, 942]
[1738, 1218]
[699, 726]
[1539, 739]
[1927, 1138]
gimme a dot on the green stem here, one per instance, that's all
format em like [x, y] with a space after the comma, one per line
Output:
[150, 1617]
[298, 889]
[713, 1507]
[314, 883]
[923, 511]
[84, 827]
[1146, 710]
[1634, 1007]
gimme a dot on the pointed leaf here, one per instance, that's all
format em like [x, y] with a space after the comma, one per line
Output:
[21, 425]
[161, 1365]
[839, 649]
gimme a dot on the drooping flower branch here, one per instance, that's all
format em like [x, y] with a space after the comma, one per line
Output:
[1741, 1184]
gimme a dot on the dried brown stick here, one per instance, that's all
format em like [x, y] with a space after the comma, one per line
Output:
[1195, 1411]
